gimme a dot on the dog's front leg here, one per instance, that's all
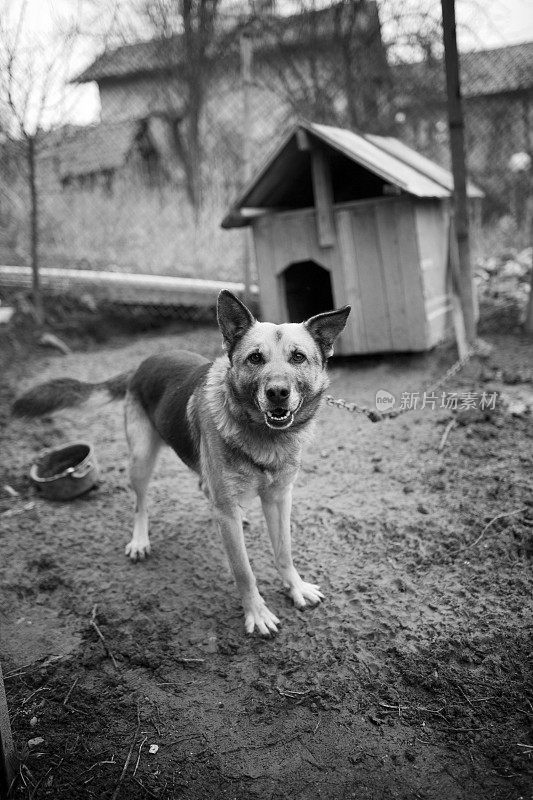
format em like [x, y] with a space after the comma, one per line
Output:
[277, 503]
[256, 613]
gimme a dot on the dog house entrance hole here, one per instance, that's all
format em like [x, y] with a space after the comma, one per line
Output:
[307, 290]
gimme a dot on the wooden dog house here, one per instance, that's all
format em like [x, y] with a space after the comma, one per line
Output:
[341, 218]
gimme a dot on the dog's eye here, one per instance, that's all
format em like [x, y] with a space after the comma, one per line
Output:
[255, 358]
[297, 357]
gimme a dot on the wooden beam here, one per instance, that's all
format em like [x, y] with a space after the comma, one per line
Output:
[7, 752]
[323, 194]
[246, 78]
[455, 281]
[529, 314]
[252, 213]
[302, 140]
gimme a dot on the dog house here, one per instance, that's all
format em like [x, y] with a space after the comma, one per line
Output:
[338, 217]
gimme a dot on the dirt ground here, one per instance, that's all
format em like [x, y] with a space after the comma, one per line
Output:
[413, 678]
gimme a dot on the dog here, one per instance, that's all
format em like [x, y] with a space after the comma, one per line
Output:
[240, 422]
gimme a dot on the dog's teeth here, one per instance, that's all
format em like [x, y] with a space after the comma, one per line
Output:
[278, 416]
[279, 422]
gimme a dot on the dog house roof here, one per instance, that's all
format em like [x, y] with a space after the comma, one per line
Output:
[383, 156]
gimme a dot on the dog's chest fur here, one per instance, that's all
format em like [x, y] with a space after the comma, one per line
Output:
[189, 402]
[238, 458]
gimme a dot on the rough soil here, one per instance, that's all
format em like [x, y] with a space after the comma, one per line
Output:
[412, 679]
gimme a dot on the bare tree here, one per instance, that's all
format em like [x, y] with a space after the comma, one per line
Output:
[412, 29]
[32, 81]
[327, 61]
[189, 41]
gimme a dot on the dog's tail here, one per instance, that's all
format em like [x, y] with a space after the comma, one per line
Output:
[66, 393]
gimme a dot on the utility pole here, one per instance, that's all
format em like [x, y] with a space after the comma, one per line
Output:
[460, 228]
[246, 80]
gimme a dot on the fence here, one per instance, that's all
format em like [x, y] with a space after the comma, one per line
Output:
[144, 189]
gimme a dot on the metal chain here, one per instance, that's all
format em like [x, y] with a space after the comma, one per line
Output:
[378, 416]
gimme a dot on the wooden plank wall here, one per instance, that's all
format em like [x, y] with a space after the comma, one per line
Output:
[381, 265]
[283, 239]
[432, 222]
[374, 266]
[412, 275]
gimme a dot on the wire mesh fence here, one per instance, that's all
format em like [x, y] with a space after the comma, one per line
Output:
[143, 189]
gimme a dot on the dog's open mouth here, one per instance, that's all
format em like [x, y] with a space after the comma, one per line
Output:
[279, 418]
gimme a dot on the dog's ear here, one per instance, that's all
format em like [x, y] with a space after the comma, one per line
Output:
[234, 319]
[324, 328]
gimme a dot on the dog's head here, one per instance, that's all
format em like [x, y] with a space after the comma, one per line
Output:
[277, 372]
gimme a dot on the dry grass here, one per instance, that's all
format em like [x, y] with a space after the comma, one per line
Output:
[136, 230]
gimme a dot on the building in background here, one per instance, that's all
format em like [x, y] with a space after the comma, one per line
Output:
[497, 88]
[329, 64]
[118, 194]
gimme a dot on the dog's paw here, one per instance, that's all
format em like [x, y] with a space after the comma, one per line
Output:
[304, 594]
[257, 615]
[137, 551]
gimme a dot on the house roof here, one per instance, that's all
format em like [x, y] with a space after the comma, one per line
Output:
[270, 31]
[483, 72]
[383, 156]
[155, 55]
[92, 148]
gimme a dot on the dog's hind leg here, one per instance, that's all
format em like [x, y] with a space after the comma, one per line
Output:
[144, 444]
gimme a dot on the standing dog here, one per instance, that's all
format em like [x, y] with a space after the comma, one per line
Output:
[239, 422]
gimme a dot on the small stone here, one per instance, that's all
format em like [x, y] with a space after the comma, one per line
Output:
[5, 315]
[89, 302]
[33, 722]
[35, 742]
[422, 509]
[153, 748]
[518, 408]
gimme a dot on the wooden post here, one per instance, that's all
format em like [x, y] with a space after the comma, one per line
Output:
[34, 232]
[456, 127]
[528, 325]
[322, 189]
[323, 194]
[455, 280]
[246, 79]
[7, 753]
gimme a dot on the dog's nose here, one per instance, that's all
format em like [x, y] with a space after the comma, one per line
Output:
[277, 392]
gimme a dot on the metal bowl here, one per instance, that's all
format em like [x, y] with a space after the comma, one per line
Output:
[65, 472]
